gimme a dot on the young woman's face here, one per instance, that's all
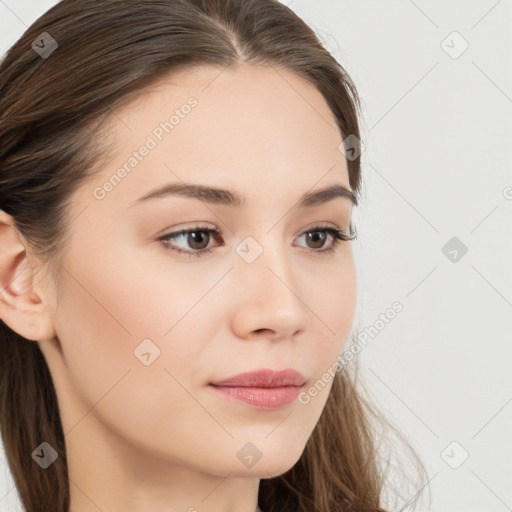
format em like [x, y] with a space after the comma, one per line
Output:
[144, 325]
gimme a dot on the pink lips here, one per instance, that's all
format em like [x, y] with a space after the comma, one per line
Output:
[265, 389]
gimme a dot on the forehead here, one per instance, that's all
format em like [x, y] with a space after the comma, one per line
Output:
[252, 128]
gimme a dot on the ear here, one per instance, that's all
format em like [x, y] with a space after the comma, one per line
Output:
[23, 306]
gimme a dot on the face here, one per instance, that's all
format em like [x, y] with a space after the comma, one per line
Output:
[145, 321]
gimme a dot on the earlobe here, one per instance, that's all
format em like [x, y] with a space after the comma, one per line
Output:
[21, 306]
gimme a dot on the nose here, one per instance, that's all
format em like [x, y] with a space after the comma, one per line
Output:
[269, 296]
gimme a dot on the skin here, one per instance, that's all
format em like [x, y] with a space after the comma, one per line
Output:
[156, 438]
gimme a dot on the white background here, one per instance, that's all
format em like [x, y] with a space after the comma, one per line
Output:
[438, 161]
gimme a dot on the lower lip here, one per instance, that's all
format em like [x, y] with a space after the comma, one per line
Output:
[262, 398]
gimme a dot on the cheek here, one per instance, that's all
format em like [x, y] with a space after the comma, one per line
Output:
[332, 311]
[113, 313]
[102, 318]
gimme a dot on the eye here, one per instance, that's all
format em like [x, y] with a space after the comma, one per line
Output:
[198, 239]
[190, 236]
[337, 235]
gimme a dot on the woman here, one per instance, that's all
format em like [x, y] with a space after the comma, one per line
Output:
[176, 183]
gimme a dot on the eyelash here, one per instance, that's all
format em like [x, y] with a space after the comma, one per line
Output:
[336, 234]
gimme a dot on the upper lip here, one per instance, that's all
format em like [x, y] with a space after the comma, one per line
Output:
[264, 378]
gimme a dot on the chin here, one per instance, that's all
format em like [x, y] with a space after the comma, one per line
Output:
[274, 461]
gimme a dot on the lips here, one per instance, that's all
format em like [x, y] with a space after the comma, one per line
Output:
[262, 389]
[263, 379]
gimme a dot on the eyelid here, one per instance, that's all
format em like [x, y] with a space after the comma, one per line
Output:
[198, 227]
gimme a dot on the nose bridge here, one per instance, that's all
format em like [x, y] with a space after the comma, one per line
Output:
[265, 269]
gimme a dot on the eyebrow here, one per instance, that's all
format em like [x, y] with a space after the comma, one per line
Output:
[226, 197]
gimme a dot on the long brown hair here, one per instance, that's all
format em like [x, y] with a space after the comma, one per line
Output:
[52, 114]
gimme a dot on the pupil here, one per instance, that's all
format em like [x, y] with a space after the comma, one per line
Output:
[320, 236]
[195, 235]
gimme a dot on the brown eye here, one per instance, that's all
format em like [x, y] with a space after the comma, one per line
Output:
[197, 239]
[318, 238]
